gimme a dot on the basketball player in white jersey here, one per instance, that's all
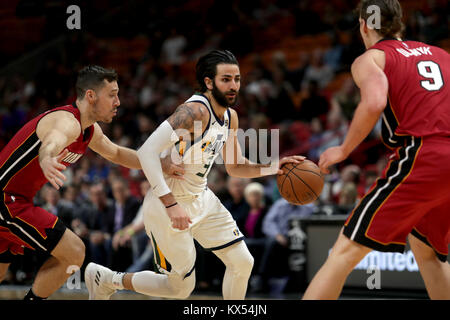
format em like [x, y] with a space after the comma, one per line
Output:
[178, 211]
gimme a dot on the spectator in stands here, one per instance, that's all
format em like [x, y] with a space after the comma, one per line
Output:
[315, 139]
[99, 169]
[336, 129]
[276, 228]
[280, 105]
[237, 205]
[53, 205]
[349, 174]
[172, 51]
[314, 105]
[347, 198]
[332, 56]
[254, 196]
[123, 212]
[134, 234]
[254, 236]
[347, 98]
[89, 221]
[318, 71]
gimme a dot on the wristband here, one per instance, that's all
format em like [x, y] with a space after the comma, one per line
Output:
[173, 204]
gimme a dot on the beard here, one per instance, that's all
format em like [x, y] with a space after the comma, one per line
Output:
[221, 97]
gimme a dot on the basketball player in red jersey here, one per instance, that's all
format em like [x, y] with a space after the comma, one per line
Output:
[407, 84]
[37, 154]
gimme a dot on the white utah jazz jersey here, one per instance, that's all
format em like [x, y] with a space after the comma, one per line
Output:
[199, 156]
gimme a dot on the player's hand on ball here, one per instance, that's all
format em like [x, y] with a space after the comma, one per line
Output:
[330, 157]
[179, 217]
[175, 169]
[290, 159]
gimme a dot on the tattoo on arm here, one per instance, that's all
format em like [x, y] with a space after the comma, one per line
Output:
[184, 117]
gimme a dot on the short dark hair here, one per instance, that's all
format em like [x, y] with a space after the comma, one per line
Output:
[207, 65]
[91, 77]
[391, 16]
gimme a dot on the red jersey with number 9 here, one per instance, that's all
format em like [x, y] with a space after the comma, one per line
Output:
[419, 94]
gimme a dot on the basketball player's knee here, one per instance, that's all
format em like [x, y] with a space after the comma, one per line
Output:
[348, 252]
[183, 287]
[247, 263]
[243, 264]
[76, 253]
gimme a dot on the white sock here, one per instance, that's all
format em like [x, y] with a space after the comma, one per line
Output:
[117, 280]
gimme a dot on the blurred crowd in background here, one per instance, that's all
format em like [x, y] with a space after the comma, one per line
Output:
[305, 92]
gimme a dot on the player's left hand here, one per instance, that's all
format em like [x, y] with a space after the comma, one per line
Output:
[171, 168]
[290, 159]
[330, 157]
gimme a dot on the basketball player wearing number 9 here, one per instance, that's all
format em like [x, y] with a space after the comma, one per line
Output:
[404, 83]
[430, 70]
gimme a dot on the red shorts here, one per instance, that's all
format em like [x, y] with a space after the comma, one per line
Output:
[411, 196]
[22, 225]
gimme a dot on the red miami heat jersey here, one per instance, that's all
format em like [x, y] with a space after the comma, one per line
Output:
[419, 92]
[20, 172]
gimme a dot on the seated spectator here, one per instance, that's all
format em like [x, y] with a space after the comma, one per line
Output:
[318, 71]
[254, 236]
[53, 204]
[254, 195]
[124, 210]
[347, 198]
[315, 139]
[276, 227]
[336, 130]
[134, 234]
[237, 205]
[88, 222]
[347, 98]
[349, 174]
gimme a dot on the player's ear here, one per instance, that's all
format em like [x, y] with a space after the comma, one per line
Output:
[363, 26]
[209, 83]
[90, 95]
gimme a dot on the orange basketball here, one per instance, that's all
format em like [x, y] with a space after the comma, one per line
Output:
[300, 183]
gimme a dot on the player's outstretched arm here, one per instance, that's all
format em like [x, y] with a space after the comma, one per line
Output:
[56, 131]
[123, 156]
[372, 81]
[239, 166]
[179, 125]
[126, 157]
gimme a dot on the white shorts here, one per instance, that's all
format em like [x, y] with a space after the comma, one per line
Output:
[212, 226]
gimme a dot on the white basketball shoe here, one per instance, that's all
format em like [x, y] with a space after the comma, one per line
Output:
[99, 282]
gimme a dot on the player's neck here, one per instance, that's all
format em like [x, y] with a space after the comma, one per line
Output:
[85, 120]
[219, 110]
[374, 38]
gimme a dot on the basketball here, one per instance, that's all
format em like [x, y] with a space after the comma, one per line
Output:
[300, 183]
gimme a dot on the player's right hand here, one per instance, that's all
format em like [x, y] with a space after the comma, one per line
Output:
[179, 217]
[52, 167]
[330, 157]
